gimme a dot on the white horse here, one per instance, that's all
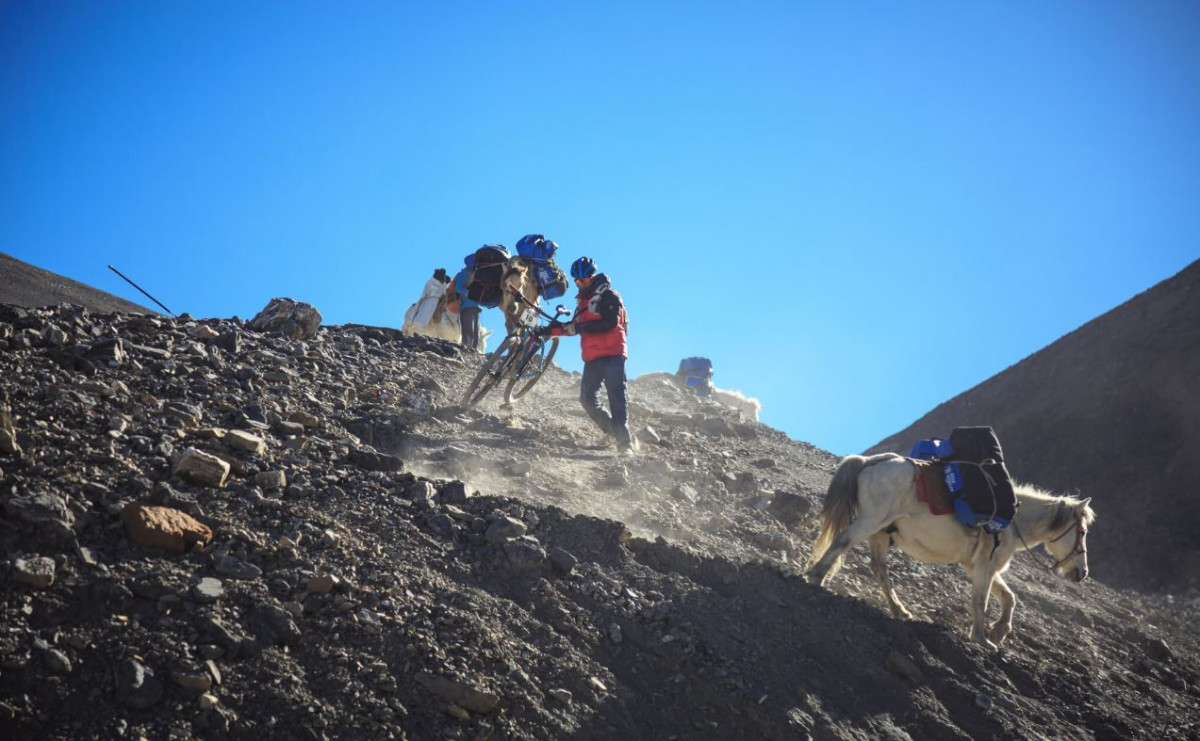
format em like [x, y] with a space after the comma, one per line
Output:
[882, 491]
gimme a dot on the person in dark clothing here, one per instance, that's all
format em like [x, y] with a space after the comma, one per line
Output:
[468, 312]
[602, 325]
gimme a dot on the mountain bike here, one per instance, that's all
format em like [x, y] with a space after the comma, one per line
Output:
[520, 359]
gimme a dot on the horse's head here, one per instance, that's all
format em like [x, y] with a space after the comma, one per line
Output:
[517, 278]
[1069, 547]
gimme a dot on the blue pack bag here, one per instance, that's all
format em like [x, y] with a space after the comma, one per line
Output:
[932, 449]
[696, 374]
[536, 249]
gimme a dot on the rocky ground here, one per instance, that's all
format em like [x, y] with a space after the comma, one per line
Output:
[366, 560]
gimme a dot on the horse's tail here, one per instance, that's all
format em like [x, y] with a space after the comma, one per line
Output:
[841, 504]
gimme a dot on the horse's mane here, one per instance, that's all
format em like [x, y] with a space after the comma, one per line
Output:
[1066, 508]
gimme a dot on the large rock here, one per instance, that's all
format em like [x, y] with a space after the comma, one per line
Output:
[373, 461]
[41, 509]
[135, 684]
[163, 527]
[292, 319]
[202, 468]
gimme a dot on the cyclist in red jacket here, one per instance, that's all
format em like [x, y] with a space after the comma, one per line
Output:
[601, 324]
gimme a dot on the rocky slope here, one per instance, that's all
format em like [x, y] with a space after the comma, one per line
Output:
[1111, 411]
[30, 286]
[369, 561]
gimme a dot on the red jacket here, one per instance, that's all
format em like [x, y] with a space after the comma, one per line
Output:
[600, 321]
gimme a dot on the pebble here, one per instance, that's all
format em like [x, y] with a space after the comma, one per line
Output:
[209, 590]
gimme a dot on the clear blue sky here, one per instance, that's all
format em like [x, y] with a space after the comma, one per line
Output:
[858, 210]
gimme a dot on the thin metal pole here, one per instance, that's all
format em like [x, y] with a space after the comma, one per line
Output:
[135, 285]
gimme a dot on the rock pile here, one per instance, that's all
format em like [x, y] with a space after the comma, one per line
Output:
[210, 531]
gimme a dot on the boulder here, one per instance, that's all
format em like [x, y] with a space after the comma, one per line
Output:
[41, 509]
[163, 527]
[292, 319]
[136, 686]
[373, 461]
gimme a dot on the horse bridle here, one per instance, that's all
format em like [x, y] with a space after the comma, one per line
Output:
[1080, 548]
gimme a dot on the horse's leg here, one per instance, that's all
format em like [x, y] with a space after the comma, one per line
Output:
[1008, 601]
[859, 530]
[982, 575]
[880, 542]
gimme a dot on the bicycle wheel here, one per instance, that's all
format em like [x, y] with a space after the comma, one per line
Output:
[531, 370]
[492, 371]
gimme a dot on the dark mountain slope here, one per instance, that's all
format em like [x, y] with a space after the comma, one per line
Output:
[25, 285]
[1111, 411]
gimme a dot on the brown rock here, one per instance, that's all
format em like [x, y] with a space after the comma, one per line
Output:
[163, 527]
[202, 468]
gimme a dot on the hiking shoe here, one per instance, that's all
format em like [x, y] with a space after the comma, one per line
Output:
[626, 451]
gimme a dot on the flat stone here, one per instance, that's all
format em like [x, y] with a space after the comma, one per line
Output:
[193, 680]
[244, 441]
[504, 529]
[164, 527]
[36, 571]
[208, 590]
[322, 584]
[375, 461]
[202, 468]
[236, 568]
[42, 509]
[268, 480]
[293, 429]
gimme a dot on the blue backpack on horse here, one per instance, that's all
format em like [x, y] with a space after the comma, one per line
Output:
[539, 252]
[973, 468]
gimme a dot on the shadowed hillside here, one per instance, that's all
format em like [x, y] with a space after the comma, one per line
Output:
[1111, 411]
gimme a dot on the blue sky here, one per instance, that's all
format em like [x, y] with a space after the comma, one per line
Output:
[858, 210]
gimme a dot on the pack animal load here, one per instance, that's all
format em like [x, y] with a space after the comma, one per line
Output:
[972, 465]
[430, 316]
[539, 253]
[696, 374]
[484, 286]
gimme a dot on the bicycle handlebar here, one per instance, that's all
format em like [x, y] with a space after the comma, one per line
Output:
[521, 297]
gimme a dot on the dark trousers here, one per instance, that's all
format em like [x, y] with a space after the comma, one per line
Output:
[609, 371]
[469, 320]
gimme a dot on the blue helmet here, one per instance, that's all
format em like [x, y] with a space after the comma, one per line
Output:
[583, 268]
